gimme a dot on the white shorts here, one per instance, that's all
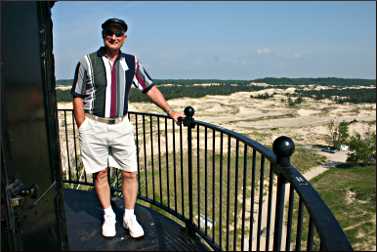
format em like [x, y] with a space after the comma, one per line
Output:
[107, 145]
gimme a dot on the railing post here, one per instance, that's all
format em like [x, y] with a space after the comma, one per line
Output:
[283, 148]
[189, 122]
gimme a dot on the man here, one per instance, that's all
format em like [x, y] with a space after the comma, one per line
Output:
[100, 103]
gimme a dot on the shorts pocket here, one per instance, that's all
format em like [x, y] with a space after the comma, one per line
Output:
[85, 126]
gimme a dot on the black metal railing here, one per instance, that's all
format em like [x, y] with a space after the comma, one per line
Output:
[232, 191]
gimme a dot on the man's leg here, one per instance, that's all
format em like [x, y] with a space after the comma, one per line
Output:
[103, 193]
[103, 188]
[129, 189]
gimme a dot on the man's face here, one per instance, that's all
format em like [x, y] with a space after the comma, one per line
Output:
[114, 39]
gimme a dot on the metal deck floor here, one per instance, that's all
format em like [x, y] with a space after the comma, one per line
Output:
[84, 219]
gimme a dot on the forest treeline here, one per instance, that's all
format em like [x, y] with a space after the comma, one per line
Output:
[332, 81]
[350, 95]
[269, 80]
[186, 88]
[361, 95]
[171, 92]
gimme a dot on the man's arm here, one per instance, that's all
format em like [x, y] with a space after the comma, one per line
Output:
[78, 91]
[157, 98]
[78, 110]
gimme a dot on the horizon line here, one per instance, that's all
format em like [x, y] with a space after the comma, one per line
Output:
[329, 77]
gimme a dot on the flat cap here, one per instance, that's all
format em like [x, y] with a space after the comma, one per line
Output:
[118, 21]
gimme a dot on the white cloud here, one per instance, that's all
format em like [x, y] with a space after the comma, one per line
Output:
[262, 51]
[297, 55]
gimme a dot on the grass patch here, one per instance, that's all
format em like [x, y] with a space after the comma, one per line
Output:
[305, 159]
[351, 195]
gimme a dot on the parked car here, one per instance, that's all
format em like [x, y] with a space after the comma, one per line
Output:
[329, 149]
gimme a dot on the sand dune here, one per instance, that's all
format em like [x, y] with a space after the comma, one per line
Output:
[264, 120]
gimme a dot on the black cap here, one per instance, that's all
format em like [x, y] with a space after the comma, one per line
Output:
[118, 21]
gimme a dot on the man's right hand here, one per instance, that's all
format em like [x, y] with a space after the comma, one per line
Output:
[79, 123]
[78, 111]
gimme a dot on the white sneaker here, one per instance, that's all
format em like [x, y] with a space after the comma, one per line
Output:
[108, 226]
[136, 230]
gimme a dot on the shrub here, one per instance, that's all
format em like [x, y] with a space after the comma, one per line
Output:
[293, 102]
[263, 96]
[338, 133]
[362, 149]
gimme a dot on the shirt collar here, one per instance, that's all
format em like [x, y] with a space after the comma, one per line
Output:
[122, 59]
[102, 51]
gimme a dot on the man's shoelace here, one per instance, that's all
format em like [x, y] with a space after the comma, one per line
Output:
[110, 218]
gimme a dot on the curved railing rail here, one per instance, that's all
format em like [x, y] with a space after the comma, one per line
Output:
[229, 189]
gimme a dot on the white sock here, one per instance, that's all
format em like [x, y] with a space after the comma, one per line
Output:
[108, 211]
[128, 213]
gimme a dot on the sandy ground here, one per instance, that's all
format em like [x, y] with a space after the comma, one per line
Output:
[265, 120]
[332, 160]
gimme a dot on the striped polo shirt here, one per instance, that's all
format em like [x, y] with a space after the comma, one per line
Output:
[105, 87]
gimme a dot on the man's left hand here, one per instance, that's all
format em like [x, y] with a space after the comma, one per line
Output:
[175, 115]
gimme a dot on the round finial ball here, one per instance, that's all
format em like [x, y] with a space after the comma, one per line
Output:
[189, 111]
[283, 146]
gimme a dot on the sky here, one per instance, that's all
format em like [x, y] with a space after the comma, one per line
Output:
[242, 40]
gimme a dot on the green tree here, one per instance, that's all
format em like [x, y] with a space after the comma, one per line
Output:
[362, 149]
[290, 102]
[299, 100]
[338, 133]
[293, 101]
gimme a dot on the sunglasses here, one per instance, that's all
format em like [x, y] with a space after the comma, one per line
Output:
[110, 33]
